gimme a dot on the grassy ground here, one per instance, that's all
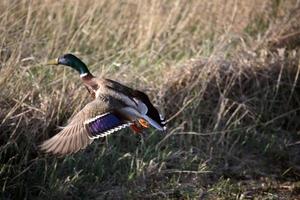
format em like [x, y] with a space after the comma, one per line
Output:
[225, 73]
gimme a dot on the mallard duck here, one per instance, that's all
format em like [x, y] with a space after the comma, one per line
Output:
[114, 107]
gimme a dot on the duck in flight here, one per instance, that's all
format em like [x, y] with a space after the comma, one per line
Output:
[115, 106]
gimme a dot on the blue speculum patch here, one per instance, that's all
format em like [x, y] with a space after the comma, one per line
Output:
[104, 124]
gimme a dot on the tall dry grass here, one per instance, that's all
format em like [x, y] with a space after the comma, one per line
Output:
[224, 72]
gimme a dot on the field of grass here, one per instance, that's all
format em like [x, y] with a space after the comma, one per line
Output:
[225, 74]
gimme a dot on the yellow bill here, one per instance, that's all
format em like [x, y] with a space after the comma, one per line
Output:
[52, 62]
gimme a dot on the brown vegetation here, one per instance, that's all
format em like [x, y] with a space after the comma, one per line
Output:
[225, 73]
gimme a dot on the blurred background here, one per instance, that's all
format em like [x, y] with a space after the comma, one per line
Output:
[224, 73]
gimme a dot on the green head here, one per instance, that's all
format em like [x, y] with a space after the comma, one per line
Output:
[71, 61]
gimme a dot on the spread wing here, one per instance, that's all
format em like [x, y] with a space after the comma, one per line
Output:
[97, 119]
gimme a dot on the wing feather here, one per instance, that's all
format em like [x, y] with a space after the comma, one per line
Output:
[76, 135]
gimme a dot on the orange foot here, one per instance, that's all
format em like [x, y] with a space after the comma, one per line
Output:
[139, 125]
[135, 128]
[144, 123]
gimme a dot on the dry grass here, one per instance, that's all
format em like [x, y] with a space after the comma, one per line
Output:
[225, 73]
